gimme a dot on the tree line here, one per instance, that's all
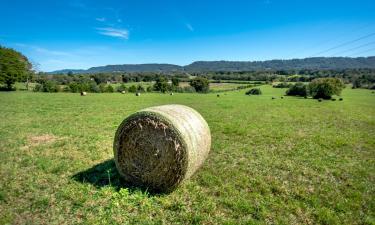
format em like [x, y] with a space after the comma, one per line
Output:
[15, 67]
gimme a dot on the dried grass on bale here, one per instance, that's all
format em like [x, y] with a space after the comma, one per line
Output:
[83, 93]
[159, 147]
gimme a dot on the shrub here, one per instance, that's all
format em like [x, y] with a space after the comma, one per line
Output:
[161, 84]
[74, 87]
[102, 87]
[325, 87]
[175, 81]
[298, 89]
[121, 88]
[109, 89]
[133, 89]
[200, 84]
[47, 86]
[283, 85]
[38, 88]
[254, 91]
[94, 87]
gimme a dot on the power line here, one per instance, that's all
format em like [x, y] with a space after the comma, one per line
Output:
[358, 53]
[343, 44]
[329, 40]
[351, 49]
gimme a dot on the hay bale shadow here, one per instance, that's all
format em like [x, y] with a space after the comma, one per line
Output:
[106, 174]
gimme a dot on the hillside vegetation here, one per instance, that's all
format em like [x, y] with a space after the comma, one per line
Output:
[318, 63]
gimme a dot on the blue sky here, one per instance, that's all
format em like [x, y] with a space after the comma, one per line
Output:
[85, 33]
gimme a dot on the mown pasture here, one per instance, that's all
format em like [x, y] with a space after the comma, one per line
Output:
[285, 161]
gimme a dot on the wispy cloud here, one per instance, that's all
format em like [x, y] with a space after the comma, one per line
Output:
[114, 32]
[42, 50]
[189, 27]
[101, 19]
[50, 52]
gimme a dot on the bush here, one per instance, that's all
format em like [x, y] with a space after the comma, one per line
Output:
[200, 84]
[161, 84]
[283, 85]
[47, 86]
[94, 87]
[254, 91]
[109, 89]
[325, 88]
[133, 89]
[121, 88]
[298, 89]
[102, 87]
[74, 87]
[140, 88]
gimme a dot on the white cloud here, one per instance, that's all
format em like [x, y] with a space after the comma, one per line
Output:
[50, 52]
[42, 50]
[101, 19]
[113, 32]
[189, 27]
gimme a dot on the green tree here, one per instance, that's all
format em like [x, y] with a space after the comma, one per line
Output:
[254, 91]
[298, 89]
[14, 67]
[121, 88]
[109, 89]
[132, 89]
[200, 84]
[325, 87]
[175, 81]
[161, 84]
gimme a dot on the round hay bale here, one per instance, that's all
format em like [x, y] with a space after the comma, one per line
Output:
[171, 93]
[137, 94]
[123, 92]
[83, 93]
[160, 147]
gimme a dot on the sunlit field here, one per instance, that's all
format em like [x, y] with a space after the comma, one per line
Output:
[283, 161]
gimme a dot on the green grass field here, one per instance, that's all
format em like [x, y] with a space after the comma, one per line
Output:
[283, 161]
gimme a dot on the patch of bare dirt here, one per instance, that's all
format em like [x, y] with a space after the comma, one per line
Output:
[42, 139]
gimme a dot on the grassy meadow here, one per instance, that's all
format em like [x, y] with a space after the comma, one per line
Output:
[283, 161]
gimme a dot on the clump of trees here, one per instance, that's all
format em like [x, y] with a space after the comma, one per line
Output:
[14, 67]
[325, 88]
[282, 85]
[298, 89]
[200, 84]
[254, 91]
[321, 88]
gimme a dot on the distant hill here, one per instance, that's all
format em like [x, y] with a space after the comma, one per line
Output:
[307, 63]
[152, 67]
[320, 63]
